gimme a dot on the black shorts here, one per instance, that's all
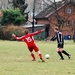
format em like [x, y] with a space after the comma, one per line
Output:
[60, 45]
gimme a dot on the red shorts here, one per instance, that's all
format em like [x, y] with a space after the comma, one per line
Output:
[33, 47]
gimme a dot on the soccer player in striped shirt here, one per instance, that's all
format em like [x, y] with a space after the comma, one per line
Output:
[60, 42]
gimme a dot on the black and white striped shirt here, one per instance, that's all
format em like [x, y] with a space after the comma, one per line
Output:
[59, 38]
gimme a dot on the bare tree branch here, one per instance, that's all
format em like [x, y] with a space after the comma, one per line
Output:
[49, 2]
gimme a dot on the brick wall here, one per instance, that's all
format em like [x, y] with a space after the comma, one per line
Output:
[67, 29]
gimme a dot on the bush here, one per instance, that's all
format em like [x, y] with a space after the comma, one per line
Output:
[8, 30]
[11, 16]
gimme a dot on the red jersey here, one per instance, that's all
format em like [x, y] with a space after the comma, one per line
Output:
[28, 39]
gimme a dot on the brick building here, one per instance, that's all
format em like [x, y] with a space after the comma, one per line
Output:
[66, 10]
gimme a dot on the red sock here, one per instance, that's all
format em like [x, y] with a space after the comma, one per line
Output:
[40, 55]
[32, 55]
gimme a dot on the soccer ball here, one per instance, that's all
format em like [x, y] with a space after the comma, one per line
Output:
[47, 56]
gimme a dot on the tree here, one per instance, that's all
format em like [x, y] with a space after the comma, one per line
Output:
[11, 16]
[60, 20]
[21, 5]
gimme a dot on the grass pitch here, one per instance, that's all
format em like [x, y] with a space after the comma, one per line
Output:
[15, 59]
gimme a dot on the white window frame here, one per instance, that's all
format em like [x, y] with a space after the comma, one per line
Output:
[69, 10]
[68, 22]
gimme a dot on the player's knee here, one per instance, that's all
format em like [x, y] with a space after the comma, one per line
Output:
[58, 50]
[39, 52]
[31, 52]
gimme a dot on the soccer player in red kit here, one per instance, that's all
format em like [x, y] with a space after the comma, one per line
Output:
[29, 40]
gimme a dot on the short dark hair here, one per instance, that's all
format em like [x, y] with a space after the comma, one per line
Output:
[26, 31]
[56, 28]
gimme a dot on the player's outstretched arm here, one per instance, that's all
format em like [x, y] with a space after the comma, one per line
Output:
[17, 38]
[37, 32]
[42, 30]
[13, 35]
[53, 38]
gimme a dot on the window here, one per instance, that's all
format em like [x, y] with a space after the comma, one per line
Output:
[69, 10]
[68, 22]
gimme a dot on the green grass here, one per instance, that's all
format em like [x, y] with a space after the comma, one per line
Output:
[15, 59]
